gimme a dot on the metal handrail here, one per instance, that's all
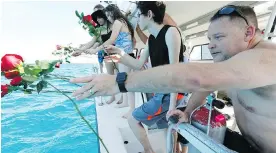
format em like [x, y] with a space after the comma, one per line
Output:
[197, 138]
[270, 22]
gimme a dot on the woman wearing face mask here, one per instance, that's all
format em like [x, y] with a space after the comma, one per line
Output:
[122, 37]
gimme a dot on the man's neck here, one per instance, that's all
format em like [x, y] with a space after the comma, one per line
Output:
[155, 28]
[255, 41]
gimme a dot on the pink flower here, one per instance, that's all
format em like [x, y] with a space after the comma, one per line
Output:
[57, 65]
[58, 47]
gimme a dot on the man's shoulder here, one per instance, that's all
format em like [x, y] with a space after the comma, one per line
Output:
[266, 45]
[172, 31]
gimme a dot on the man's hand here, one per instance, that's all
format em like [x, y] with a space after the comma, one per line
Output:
[90, 51]
[96, 85]
[81, 45]
[77, 53]
[115, 58]
[112, 49]
[183, 116]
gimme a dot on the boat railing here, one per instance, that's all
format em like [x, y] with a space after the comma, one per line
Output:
[197, 138]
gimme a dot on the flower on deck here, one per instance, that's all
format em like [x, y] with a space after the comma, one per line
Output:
[16, 81]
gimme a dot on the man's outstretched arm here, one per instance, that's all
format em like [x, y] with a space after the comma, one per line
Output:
[249, 69]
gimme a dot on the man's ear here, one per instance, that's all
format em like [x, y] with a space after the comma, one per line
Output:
[150, 14]
[249, 33]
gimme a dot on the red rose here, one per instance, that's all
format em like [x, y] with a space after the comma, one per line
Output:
[93, 23]
[4, 90]
[87, 18]
[58, 47]
[57, 65]
[16, 81]
[10, 62]
[11, 74]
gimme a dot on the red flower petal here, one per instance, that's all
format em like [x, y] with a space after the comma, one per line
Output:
[11, 74]
[16, 81]
[4, 88]
[10, 61]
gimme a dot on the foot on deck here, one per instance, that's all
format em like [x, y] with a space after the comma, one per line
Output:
[126, 115]
[112, 99]
[122, 105]
[100, 104]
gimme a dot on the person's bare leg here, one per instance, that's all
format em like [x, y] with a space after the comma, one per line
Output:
[101, 71]
[140, 133]
[131, 103]
[176, 147]
[101, 67]
[130, 98]
[121, 95]
[184, 149]
[110, 70]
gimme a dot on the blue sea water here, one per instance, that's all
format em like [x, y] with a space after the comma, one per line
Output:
[48, 122]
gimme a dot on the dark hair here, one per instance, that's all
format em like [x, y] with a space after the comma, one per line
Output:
[99, 6]
[157, 8]
[246, 11]
[100, 14]
[118, 15]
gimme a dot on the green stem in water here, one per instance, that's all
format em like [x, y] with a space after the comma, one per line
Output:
[82, 117]
[64, 78]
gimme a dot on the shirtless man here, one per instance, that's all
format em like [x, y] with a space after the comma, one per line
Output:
[245, 68]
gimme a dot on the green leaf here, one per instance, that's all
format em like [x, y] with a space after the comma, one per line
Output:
[77, 14]
[39, 86]
[30, 78]
[44, 64]
[32, 85]
[25, 84]
[32, 70]
[44, 83]
[2, 73]
[82, 15]
[13, 88]
[68, 61]
[28, 91]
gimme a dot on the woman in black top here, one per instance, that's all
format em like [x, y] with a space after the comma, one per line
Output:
[100, 18]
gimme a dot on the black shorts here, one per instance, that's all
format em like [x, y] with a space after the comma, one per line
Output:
[234, 141]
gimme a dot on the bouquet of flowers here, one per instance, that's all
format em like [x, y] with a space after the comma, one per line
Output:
[22, 75]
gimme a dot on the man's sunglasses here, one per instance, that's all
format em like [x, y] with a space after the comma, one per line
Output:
[230, 9]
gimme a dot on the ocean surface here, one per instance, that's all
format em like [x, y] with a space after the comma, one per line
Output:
[48, 122]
